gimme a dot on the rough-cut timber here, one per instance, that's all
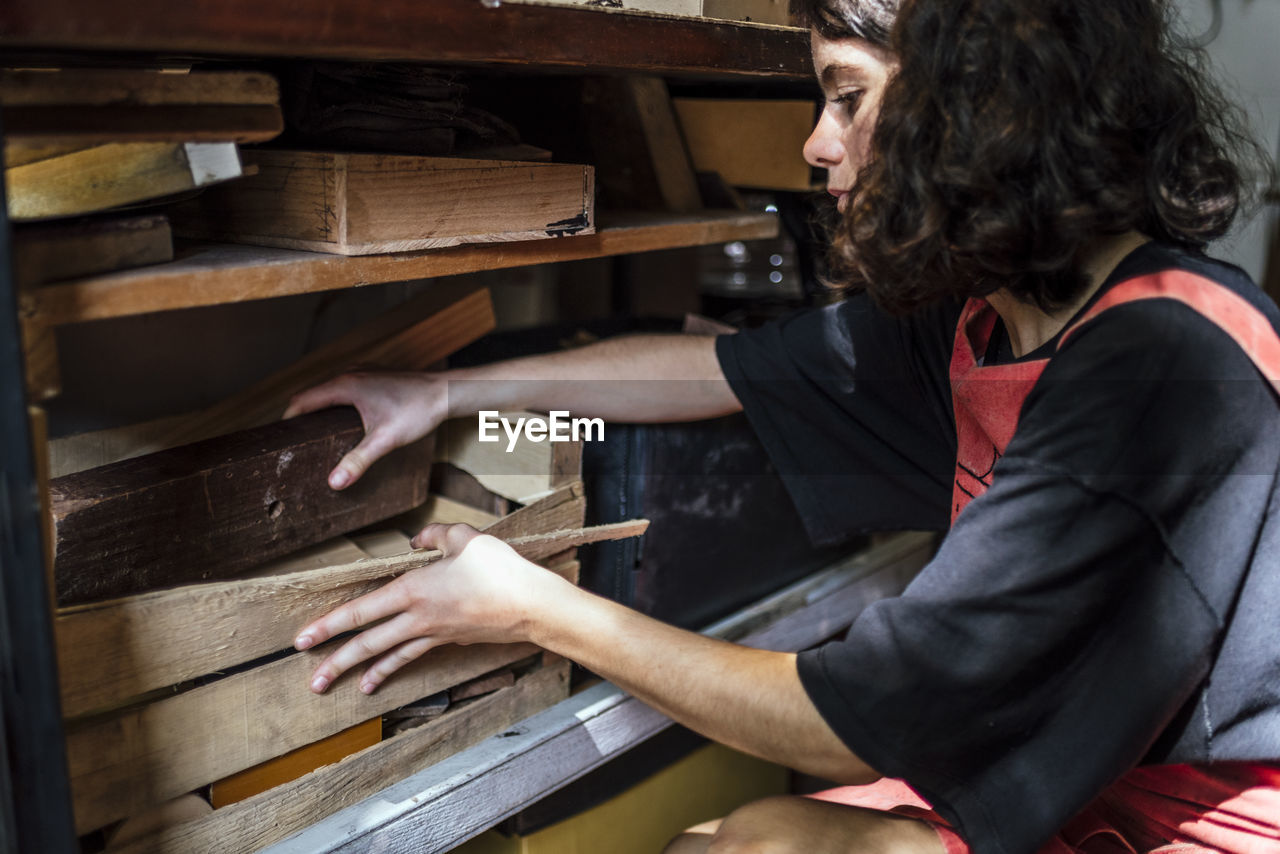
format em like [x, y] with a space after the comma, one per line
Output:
[362, 204]
[280, 812]
[213, 508]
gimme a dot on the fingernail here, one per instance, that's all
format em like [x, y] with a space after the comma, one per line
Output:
[339, 479]
[368, 687]
[303, 642]
[319, 684]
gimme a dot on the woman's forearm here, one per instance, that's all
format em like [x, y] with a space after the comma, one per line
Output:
[749, 699]
[638, 378]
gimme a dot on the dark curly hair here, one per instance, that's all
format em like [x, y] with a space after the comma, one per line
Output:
[1016, 132]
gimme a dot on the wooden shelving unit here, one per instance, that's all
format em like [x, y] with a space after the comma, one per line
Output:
[213, 274]
[34, 792]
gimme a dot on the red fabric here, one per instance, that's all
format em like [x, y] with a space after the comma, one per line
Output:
[1160, 809]
[988, 400]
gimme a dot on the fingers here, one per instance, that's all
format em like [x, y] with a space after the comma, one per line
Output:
[332, 393]
[450, 539]
[393, 661]
[351, 467]
[362, 647]
[369, 608]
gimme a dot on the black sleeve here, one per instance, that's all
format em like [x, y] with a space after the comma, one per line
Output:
[854, 408]
[1073, 609]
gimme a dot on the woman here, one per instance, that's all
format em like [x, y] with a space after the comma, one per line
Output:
[1089, 663]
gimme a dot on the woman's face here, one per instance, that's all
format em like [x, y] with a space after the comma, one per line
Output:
[853, 74]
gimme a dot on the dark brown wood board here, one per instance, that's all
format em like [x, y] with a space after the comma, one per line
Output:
[213, 508]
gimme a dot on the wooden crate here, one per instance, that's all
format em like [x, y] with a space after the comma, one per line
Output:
[360, 204]
[169, 691]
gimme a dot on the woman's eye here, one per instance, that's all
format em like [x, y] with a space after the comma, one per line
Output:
[849, 99]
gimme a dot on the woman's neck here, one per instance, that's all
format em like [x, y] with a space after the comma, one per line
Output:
[1029, 326]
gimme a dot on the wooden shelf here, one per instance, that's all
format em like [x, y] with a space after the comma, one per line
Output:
[213, 274]
[445, 31]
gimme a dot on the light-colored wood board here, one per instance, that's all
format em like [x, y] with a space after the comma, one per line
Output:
[295, 763]
[107, 176]
[750, 143]
[121, 764]
[382, 543]
[520, 471]
[437, 508]
[275, 814]
[217, 274]
[411, 336]
[111, 651]
[672, 168]
[20, 153]
[448, 803]
[339, 550]
[774, 12]
[50, 253]
[360, 204]
[103, 87]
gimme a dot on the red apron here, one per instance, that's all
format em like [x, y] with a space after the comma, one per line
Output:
[1230, 807]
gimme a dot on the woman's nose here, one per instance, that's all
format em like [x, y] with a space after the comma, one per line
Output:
[823, 148]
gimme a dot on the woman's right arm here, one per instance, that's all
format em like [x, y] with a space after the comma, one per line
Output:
[638, 378]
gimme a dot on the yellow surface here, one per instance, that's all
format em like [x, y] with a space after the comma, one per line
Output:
[707, 784]
[751, 143]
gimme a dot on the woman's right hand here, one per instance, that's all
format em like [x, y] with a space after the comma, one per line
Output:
[396, 408]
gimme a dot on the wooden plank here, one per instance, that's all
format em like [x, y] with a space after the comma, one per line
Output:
[409, 337]
[361, 204]
[218, 274]
[487, 684]
[438, 508]
[112, 651]
[280, 812]
[123, 763]
[443, 31]
[115, 174]
[448, 803]
[635, 144]
[296, 763]
[521, 474]
[665, 7]
[39, 421]
[213, 508]
[50, 253]
[750, 143]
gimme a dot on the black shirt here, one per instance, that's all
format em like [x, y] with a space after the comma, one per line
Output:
[1113, 599]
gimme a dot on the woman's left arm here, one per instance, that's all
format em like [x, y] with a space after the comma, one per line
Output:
[483, 592]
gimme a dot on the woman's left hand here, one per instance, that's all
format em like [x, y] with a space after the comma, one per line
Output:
[481, 591]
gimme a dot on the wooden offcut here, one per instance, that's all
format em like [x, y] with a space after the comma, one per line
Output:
[70, 106]
[358, 204]
[751, 143]
[54, 252]
[123, 763]
[145, 643]
[107, 176]
[295, 763]
[280, 812]
[213, 508]
[409, 337]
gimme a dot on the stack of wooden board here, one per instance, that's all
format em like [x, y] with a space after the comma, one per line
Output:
[193, 692]
[81, 141]
[361, 204]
